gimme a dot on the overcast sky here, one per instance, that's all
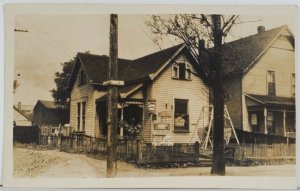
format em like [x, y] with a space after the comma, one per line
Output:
[54, 39]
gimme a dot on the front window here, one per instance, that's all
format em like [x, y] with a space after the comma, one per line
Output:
[181, 116]
[271, 83]
[81, 110]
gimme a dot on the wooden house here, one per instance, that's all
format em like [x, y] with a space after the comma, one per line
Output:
[49, 117]
[164, 93]
[259, 79]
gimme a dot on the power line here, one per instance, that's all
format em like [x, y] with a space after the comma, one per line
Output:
[43, 32]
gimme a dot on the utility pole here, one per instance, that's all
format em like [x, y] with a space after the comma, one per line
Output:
[218, 161]
[112, 105]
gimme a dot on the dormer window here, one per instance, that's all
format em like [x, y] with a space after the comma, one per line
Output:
[82, 77]
[181, 71]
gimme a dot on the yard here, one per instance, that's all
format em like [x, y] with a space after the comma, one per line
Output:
[56, 164]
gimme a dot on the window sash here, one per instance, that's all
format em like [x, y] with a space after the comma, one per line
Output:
[181, 116]
[271, 83]
[78, 115]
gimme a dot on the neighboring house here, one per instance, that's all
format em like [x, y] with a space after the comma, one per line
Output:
[49, 117]
[20, 118]
[26, 109]
[163, 92]
[260, 82]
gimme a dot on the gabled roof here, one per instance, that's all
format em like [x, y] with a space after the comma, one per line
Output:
[47, 104]
[146, 67]
[240, 55]
[23, 114]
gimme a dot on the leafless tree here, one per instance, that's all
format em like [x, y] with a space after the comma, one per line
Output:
[204, 36]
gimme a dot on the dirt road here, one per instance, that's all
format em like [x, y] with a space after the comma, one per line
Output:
[55, 164]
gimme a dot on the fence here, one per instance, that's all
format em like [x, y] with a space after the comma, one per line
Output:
[130, 150]
[169, 154]
[26, 134]
[260, 138]
[264, 151]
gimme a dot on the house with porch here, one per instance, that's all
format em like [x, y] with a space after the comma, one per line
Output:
[164, 94]
[259, 81]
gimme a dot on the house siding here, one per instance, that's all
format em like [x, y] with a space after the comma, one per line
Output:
[164, 90]
[279, 58]
[79, 94]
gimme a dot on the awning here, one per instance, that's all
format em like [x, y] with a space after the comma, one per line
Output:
[270, 101]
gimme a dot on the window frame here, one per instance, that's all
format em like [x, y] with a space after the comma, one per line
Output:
[293, 85]
[186, 127]
[271, 83]
[81, 116]
[187, 71]
[82, 78]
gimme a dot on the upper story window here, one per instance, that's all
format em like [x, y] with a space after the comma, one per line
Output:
[181, 71]
[293, 85]
[271, 83]
[81, 77]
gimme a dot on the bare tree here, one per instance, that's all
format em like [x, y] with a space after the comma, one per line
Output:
[204, 36]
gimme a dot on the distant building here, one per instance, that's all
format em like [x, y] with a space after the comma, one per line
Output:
[49, 117]
[25, 109]
[20, 118]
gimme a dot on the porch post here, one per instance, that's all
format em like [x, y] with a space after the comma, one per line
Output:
[122, 117]
[283, 121]
[265, 116]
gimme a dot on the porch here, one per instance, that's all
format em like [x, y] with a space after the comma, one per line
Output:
[271, 115]
[130, 115]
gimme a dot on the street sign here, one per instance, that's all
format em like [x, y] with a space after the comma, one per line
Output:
[151, 106]
[113, 83]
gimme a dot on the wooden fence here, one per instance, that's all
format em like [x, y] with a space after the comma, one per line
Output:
[130, 150]
[263, 151]
[26, 134]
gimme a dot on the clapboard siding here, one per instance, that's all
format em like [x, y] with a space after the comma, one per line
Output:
[232, 90]
[164, 90]
[78, 94]
[279, 59]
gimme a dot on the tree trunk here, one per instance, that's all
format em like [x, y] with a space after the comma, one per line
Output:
[218, 162]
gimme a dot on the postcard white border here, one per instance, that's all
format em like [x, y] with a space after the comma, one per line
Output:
[10, 10]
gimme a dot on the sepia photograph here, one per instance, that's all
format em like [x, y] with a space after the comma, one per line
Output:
[113, 95]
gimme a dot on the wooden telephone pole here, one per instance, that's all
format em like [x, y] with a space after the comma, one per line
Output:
[112, 105]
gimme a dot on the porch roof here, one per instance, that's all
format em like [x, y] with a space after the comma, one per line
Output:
[124, 92]
[272, 100]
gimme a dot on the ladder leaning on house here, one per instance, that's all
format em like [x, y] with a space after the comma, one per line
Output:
[203, 132]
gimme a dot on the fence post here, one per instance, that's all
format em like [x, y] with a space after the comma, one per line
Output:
[139, 151]
[58, 141]
[49, 140]
[197, 147]
[127, 148]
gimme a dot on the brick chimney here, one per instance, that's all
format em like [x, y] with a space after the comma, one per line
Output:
[201, 47]
[261, 29]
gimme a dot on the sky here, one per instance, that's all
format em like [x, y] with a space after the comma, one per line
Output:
[54, 39]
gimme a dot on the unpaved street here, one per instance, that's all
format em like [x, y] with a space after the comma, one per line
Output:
[55, 164]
